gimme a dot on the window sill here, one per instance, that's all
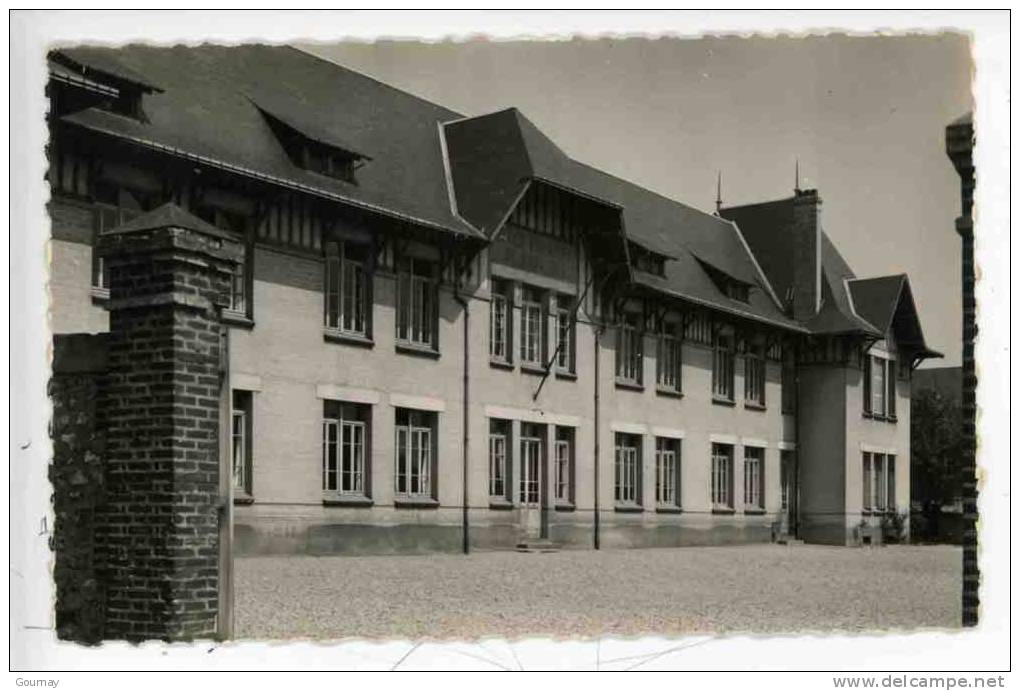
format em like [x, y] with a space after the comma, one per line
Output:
[718, 400]
[501, 364]
[352, 500]
[723, 510]
[629, 508]
[499, 504]
[419, 350]
[629, 385]
[565, 506]
[532, 368]
[347, 338]
[415, 503]
[237, 319]
[100, 296]
[672, 393]
[754, 405]
[754, 512]
[563, 374]
[243, 498]
[668, 509]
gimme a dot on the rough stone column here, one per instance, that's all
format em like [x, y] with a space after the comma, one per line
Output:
[169, 278]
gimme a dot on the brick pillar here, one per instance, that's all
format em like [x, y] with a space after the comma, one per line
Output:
[807, 258]
[959, 147]
[169, 278]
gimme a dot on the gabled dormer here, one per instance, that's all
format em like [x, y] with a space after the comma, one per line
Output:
[80, 80]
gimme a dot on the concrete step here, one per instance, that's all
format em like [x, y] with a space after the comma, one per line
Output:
[537, 546]
[788, 540]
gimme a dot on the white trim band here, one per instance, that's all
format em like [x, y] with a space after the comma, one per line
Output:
[668, 432]
[330, 392]
[536, 416]
[628, 427]
[245, 382]
[871, 448]
[787, 446]
[399, 400]
[754, 443]
[722, 439]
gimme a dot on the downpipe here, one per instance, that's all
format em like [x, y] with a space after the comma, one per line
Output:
[466, 546]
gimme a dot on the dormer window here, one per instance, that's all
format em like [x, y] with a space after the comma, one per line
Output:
[78, 84]
[727, 285]
[647, 261]
[312, 152]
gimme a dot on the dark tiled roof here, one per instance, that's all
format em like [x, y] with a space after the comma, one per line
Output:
[101, 61]
[888, 303]
[206, 111]
[838, 313]
[494, 156]
[765, 227]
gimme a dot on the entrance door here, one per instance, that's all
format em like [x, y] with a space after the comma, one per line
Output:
[788, 492]
[530, 489]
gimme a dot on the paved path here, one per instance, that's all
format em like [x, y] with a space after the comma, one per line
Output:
[760, 588]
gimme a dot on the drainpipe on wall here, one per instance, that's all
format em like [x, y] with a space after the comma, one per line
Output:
[598, 334]
[467, 435]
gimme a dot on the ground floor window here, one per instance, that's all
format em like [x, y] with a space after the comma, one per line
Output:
[531, 463]
[415, 435]
[564, 448]
[722, 476]
[628, 469]
[879, 481]
[344, 448]
[667, 472]
[241, 437]
[754, 477]
[499, 443]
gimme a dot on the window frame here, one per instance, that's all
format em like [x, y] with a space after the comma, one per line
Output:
[421, 470]
[242, 409]
[341, 301]
[724, 368]
[566, 335]
[529, 485]
[754, 478]
[668, 339]
[418, 279]
[563, 466]
[533, 327]
[627, 471]
[500, 434]
[755, 377]
[501, 305]
[355, 418]
[668, 481]
[630, 350]
[722, 477]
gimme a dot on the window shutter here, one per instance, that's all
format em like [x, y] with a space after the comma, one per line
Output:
[890, 405]
[867, 383]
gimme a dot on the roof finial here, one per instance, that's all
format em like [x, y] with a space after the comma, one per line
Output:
[718, 193]
[796, 176]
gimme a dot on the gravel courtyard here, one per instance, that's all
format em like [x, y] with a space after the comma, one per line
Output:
[759, 588]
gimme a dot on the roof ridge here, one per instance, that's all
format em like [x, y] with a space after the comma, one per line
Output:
[641, 187]
[363, 75]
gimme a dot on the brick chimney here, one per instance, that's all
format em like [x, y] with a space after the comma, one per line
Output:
[806, 229]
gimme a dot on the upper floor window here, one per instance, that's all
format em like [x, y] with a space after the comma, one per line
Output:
[668, 359]
[344, 448]
[532, 326]
[667, 472]
[239, 289]
[500, 319]
[722, 367]
[417, 311]
[114, 206]
[880, 387]
[565, 333]
[629, 351]
[754, 376]
[415, 439]
[628, 469]
[347, 305]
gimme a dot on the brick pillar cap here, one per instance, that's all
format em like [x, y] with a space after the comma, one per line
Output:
[169, 215]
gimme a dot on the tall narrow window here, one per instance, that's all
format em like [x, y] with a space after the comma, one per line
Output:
[668, 359]
[416, 303]
[107, 217]
[878, 386]
[890, 376]
[628, 469]
[241, 444]
[629, 355]
[564, 448]
[344, 448]
[754, 377]
[722, 367]
[500, 340]
[754, 477]
[879, 481]
[722, 476]
[499, 436]
[667, 472]
[789, 383]
[890, 484]
[239, 289]
[347, 294]
[532, 327]
[414, 451]
[867, 499]
[529, 487]
[565, 333]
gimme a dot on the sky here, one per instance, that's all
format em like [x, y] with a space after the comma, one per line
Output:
[864, 116]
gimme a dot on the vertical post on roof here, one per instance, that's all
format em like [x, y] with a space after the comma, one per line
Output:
[796, 175]
[718, 194]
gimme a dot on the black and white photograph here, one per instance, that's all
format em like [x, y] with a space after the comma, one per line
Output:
[467, 346]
